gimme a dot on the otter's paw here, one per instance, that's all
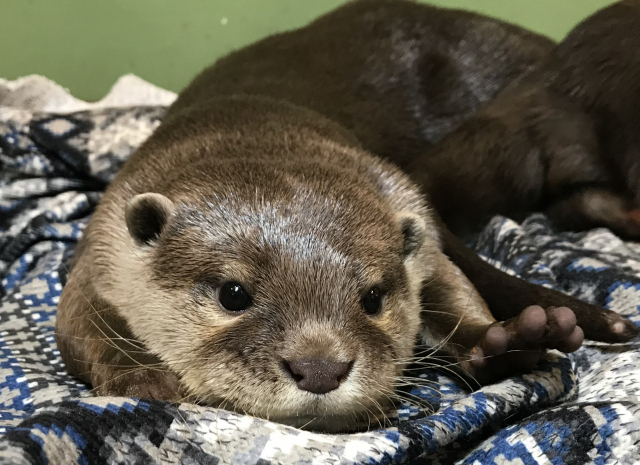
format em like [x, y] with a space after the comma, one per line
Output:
[143, 384]
[516, 345]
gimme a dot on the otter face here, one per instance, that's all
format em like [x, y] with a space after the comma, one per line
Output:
[296, 308]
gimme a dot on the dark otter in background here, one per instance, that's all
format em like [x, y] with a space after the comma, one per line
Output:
[258, 252]
[563, 138]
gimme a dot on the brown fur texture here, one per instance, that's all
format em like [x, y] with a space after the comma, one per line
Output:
[268, 171]
[397, 74]
[561, 138]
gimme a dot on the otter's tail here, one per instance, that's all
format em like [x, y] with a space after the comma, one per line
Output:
[507, 295]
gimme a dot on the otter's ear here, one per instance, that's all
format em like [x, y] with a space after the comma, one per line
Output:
[414, 231]
[146, 216]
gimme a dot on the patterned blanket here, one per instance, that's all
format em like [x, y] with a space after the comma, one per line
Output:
[57, 154]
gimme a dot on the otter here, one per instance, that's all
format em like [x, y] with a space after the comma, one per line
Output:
[564, 136]
[264, 250]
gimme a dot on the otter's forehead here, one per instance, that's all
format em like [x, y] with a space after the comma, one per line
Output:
[304, 224]
[291, 203]
[297, 232]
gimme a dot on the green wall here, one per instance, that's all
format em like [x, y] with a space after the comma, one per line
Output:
[86, 44]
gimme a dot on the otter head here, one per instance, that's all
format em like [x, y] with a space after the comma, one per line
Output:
[289, 293]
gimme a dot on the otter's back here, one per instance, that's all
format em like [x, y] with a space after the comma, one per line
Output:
[398, 74]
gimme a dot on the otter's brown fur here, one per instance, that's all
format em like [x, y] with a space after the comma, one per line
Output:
[562, 138]
[266, 172]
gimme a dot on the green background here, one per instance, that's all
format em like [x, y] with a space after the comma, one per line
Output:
[86, 44]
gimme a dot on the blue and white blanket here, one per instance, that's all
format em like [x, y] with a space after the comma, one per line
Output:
[57, 155]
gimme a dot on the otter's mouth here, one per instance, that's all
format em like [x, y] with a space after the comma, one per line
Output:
[317, 417]
[339, 423]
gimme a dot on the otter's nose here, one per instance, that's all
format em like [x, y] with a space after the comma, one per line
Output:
[317, 375]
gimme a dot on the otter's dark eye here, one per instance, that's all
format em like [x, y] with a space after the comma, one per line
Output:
[372, 301]
[234, 298]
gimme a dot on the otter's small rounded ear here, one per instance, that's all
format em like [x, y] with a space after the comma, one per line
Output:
[146, 216]
[414, 231]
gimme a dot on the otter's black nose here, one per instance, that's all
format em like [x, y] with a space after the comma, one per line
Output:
[317, 375]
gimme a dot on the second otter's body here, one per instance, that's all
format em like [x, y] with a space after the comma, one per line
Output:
[562, 138]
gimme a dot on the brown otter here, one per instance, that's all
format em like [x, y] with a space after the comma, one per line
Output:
[255, 253]
[563, 136]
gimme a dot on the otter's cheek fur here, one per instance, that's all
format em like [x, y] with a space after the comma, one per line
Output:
[235, 371]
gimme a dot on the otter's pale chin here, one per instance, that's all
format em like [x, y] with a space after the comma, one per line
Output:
[338, 423]
[318, 414]
[332, 417]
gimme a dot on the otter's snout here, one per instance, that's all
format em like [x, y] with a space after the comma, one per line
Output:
[317, 375]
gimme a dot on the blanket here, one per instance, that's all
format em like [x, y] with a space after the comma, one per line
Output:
[58, 154]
